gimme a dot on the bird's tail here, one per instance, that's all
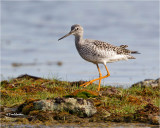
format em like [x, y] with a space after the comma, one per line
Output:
[132, 52]
[135, 52]
[131, 57]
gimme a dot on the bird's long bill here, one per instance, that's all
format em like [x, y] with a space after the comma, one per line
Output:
[65, 35]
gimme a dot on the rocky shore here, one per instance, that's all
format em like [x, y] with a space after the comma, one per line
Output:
[33, 100]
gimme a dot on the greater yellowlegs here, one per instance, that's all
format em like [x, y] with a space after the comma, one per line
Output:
[98, 51]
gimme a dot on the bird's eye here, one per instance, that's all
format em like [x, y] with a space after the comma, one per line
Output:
[77, 28]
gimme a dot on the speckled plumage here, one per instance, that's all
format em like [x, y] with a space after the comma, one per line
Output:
[101, 52]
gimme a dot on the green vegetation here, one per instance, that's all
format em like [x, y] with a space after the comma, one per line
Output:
[83, 93]
[16, 91]
[123, 104]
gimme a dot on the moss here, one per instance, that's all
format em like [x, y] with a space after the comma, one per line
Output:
[60, 90]
[42, 115]
[142, 115]
[97, 102]
[26, 109]
[2, 108]
[4, 94]
[135, 100]
[4, 83]
[83, 94]
[120, 118]
[129, 118]
[65, 117]
[27, 106]
[147, 91]
[32, 89]
[115, 118]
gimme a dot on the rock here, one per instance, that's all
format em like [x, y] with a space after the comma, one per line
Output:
[10, 110]
[78, 106]
[148, 83]
[112, 91]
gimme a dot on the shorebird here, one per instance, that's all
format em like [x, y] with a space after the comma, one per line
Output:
[98, 52]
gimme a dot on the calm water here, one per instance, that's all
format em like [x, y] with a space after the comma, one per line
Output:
[30, 33]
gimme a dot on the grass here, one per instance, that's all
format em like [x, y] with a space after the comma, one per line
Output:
[16, 91]
[126, 101]
[132, 99]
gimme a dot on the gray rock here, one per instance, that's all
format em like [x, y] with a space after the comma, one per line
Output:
[14, 109]
[148, 83]
[110, 92]
[78, 106]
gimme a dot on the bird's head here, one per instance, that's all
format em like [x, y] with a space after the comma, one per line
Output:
[76, 30]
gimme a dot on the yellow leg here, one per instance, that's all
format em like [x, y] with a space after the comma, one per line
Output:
[100, 78]
[100, 75]
[90, 82]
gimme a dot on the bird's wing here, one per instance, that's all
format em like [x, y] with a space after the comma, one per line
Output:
[123, 46]
[104, 46]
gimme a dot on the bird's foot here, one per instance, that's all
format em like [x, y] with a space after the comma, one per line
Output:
[86, 84]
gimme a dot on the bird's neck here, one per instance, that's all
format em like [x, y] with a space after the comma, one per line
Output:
[78, 39]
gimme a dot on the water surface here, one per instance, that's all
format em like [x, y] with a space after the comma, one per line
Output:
[31, 29]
